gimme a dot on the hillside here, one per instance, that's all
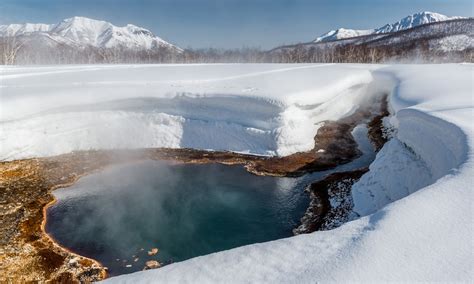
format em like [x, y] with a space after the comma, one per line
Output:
[438, 41]
[408, 22]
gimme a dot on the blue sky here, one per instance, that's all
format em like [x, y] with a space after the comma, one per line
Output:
[231, 23]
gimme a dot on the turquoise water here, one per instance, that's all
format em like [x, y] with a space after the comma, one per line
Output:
[183, 210]
[117, 215]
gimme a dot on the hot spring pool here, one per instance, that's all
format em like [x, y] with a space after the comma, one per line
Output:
[115, 216]
[183, 210]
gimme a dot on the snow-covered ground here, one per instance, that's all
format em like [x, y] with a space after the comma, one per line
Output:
[413, 215]
[262, 109]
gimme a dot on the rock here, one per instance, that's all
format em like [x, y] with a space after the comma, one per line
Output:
[128, 265]
[153, 251]
[136, 259]
[152, 264]
[72, 262]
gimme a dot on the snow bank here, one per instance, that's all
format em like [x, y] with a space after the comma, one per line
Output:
[425, 236]
[264, 109]
[426, 147]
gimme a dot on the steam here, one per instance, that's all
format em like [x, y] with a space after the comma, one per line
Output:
[184, 210]
[115, 198]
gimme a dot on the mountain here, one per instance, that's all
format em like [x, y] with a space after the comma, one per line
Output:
[408, 22]
[426, 36]
[441, 41]
[342, 33]
[85, 32]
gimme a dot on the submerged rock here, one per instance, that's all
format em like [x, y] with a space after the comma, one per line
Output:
[152, 264]
[153, 251]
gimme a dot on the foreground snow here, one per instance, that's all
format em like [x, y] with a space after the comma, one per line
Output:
[413, 217]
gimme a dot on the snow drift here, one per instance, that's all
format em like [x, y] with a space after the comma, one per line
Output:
[259, 109]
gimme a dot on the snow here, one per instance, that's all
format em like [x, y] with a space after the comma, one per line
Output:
[415, 218]
[84, 31]
[265, 109]
[17, 29]
[414, 20]
[452, 43]
[408, 22]
[371, 192]
[342, 33]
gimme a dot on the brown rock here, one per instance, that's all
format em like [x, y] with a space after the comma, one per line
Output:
[152, 264]
[153, 251]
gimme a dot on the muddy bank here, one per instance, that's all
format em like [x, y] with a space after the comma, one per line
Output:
[377, 132]
[28, 254]
[330, 198]
[331, 202]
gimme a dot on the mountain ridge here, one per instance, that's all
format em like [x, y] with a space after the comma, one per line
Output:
[407, 22]
[97, 33]
[80, 40]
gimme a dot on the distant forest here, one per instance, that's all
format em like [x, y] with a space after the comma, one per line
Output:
[418, 51]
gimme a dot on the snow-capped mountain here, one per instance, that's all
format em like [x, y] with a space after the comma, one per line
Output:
[342, 33]
[81, 31]
[405, 23]
[441, 41]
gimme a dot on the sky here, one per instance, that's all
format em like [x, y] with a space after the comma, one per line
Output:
[231, 23]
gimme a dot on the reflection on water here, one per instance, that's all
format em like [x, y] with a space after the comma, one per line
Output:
[117, 215]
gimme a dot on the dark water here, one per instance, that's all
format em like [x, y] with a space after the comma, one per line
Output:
[116, 215]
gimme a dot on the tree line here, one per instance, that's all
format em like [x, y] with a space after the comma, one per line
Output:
[17, 51]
